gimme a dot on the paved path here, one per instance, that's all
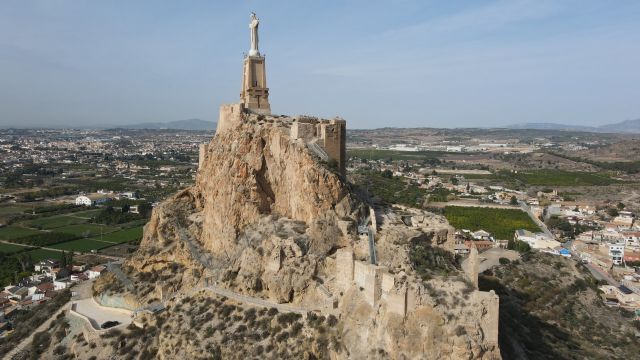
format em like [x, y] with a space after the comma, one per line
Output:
[26, 341]
[255, 301]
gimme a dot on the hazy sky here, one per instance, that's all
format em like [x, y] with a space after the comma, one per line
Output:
[375, 63]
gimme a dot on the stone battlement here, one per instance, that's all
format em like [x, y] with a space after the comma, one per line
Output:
[329, 134]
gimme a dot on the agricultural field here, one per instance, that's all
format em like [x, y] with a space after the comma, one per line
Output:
[54, 222]
[67, 230]
[10, 248]
[41, 254]
[557, 178]
[12, 210]
[82, 245]
[86, 214]
[502, 223]
[16, 232]
[121, 236]
[85, 230]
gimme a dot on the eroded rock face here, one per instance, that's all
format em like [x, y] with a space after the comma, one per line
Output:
[256, 170]
[261, 218]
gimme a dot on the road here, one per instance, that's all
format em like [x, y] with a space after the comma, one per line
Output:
[538, 222]
[601, 274]
[596, 271]
[116, 258]
[26, 341]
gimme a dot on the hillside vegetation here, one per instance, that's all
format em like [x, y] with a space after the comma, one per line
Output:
[550, 309]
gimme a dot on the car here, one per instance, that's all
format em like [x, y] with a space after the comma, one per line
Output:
[109, 324]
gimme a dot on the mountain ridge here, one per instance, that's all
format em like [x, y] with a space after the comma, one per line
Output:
[623, 127]
[187, 124]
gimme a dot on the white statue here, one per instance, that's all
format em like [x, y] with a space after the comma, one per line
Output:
[253, 25]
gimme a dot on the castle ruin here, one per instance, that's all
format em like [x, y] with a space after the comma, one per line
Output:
[325, 138]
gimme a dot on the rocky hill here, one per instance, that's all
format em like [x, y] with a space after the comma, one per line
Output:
[263, 257]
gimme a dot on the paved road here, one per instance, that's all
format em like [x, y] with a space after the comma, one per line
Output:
[601, 274]
[596, 271]
[255, 301]
[540, 224]
[60, 250]
[26, 341]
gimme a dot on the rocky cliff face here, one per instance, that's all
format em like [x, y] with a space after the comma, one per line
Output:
[256, 170]
[261, 218]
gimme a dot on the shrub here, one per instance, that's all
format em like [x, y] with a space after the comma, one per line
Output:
[272, 311]
[504, 261]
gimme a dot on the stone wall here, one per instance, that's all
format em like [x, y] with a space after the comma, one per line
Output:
[472, 266]
[230, 116]
[374, 221]
[344, 267]
[201, 154]
[490, 318]
[375, 282]
[331, 135]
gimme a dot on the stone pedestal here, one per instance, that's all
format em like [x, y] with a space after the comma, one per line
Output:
[255, 93]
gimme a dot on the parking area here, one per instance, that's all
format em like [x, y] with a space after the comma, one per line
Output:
[98, 314]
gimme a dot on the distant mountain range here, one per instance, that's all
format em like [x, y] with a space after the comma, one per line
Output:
[189, 124]
[624, 127]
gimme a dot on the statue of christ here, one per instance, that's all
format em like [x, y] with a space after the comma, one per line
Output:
[253, 26]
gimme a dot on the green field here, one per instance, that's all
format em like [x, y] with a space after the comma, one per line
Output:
[558, 178]
[15, 232]
[83, 245]
[502, 223]
[86, 213]
[12, 210]
[41, 254]
[100, 242]
[85, 230]
[121, 236]
[54, 222]
[9, 248]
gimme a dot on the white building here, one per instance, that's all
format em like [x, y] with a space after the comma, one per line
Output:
[95, 271]
[616, 251]
[632, 239]
[83, 200]
[61, 284]
[88, 201]
[129, 195]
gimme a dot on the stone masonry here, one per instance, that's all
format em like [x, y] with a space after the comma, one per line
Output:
[376, 283]
[329, 134]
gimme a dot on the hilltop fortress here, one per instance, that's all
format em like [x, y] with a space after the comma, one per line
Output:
[326, 138]
[273, 220]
